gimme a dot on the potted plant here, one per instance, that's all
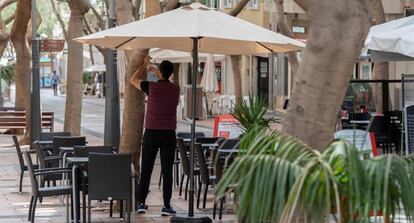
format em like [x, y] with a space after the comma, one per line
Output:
[279, 179]
[252, 113]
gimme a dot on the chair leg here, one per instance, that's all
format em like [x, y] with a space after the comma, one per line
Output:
[198, 195]
[221, 208]
[121, 209]
[214, 209]
[30, 209]
[177, 174]
[21, 181]
[89, 210]
[33, 210]
[181, 186]
[186, 188]
[159, 181]
[111, 204]
[83, 205]
[205, 196]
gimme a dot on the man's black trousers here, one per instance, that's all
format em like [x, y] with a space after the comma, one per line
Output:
[154, 140]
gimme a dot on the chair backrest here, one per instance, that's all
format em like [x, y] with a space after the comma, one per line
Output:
[202, 165]
[379, 126]
[46, 136]
[187, 135]
[19, 152]
[62, 141]
[83, 151]
[208, 140]
[35, 186]
[183, 156]
[230, 144]
[109, 176]
[40, 154]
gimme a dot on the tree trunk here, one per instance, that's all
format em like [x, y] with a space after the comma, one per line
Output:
[23, 56]
[235, 60]
[319, 89]
[380, 69]
[284, 29]
[4, 36]
[237, 82]
[73, 108]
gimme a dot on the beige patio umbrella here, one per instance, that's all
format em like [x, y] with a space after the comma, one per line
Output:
[194, 28]
[158, 55]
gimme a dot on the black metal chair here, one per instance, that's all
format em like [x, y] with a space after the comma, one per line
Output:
[22, 165]
[205, 177]
[110, 178]
[219, 163]
[46, 136]
[46, 162]
[187, 135]
[67, 141]
[84, 151]
[380, 128]
[184, 135]
[185, 164]
[40, 192]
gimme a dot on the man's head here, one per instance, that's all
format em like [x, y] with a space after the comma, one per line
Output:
[166, 69]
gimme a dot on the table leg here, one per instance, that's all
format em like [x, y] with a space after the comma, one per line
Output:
[75, 194]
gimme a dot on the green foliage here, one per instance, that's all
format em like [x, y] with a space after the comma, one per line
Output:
[252, 113]
[7, 73]
[278, 179]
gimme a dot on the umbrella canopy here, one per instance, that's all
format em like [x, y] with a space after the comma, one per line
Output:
[391, 41]
[217, 32]
[158, 55]
[209, 80]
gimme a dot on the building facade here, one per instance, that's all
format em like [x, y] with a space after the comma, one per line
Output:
[269, 75]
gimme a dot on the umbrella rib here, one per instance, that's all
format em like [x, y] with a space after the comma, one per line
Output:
[125, 42]
[264, 46]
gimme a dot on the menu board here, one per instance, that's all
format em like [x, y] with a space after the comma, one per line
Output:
[409, 128]
[227, 126]
[362, 140]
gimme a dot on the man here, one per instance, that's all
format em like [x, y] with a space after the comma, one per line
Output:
[55, 82]
[160, 125]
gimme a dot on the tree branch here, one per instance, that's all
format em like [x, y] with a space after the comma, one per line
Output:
[239, 7]
[99, 17]
[170, 5]
[136, 7]
[5, 3]
[60, 20]
[9, 19]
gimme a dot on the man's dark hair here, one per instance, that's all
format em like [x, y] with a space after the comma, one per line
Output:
[166, 69]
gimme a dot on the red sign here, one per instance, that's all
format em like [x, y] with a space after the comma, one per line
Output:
[227, 126]
[51, 45]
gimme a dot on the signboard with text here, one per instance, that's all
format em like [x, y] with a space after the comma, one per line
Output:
[51, 45]
[227, 126]
[364, 141]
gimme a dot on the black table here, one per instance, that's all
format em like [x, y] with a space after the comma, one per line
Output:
[76, 162]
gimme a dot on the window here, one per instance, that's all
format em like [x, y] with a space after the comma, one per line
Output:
[227, 3]
[254, 4]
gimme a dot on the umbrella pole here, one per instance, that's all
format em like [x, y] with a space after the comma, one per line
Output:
[191, 217]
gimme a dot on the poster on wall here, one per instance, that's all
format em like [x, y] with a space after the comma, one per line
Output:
[227, 126]
[365, 71]
[364, 141]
